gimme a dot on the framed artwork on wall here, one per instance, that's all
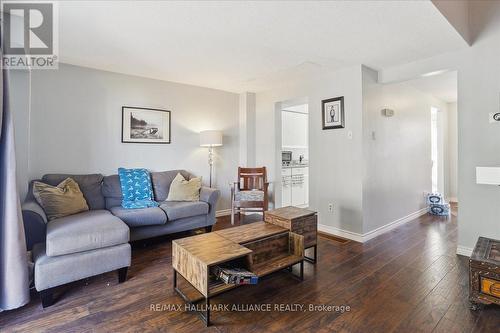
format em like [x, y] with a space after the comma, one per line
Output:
[333, 113]
[145, 125]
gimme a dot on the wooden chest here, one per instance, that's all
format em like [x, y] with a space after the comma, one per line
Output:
[484, 275]
[298, 220]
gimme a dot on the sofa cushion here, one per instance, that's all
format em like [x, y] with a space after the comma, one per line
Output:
[179, 225]
[136, 186]
[54, 271]
[180, 209]
[85, 231]
[90, 185]
[141, 216]
[112, 191]
[182, 189]
[162, 180]
[61, 200]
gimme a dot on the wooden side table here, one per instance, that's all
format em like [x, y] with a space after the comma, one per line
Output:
[300, 221]
[484, 276]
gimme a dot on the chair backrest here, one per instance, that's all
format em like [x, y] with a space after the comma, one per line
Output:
[252, 178]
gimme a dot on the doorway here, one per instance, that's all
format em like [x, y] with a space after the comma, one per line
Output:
[294, 154]
[437, 156]
[437, 95]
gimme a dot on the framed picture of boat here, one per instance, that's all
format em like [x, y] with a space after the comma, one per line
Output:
[145, 125]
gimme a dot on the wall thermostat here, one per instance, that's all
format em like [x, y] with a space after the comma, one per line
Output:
[387, 112]
[495, 117]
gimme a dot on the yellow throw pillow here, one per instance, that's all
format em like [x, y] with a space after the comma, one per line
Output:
[61, 200]
[184, 190]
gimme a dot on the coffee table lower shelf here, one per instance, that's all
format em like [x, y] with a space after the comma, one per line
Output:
[218, 287]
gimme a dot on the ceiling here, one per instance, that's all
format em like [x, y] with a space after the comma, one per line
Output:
[442, 86]
[246, 45]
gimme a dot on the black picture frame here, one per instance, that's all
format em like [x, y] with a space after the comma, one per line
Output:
[129, 140]
[324, 105]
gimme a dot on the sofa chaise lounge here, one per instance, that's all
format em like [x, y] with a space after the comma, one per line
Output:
[96, 241]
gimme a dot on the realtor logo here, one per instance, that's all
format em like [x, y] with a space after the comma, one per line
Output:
[29, 35]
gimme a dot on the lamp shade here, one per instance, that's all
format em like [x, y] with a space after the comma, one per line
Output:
[488, 176]
[211, 138]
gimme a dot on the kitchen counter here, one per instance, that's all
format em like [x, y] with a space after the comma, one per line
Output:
[294, 166]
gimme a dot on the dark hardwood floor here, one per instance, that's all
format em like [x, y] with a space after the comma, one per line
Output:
[407, 280]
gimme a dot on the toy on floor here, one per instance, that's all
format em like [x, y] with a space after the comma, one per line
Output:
[440, 209]
[434, 198]
[437, 205]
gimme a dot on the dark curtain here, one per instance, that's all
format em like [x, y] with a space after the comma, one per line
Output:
[14, 280]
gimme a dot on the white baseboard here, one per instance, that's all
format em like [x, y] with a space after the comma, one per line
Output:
[223, 212]
[374, 233]
[394, 224]
[340, 232]
[464, 251]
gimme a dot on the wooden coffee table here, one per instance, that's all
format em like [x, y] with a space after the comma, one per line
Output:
[261, 248]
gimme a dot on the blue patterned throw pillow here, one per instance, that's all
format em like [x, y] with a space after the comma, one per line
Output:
[137, 191]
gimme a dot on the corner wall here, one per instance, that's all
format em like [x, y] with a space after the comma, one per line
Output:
[397, 151]
[478, 140]
[335, 160]
[373, 184]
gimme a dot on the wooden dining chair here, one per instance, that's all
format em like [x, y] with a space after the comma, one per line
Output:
[249, 193]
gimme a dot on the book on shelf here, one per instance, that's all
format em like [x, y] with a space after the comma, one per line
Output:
[235, 275]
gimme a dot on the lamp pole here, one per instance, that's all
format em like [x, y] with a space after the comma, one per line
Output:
[210, 139]
[210, 163]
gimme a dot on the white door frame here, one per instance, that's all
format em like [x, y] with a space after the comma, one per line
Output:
[278, 144]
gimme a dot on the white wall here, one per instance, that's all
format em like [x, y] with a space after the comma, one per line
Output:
[452, 151]
[76, 125]
[396, 150]
[370, 182]
[478, 140]
[247, 129]
[335, 161]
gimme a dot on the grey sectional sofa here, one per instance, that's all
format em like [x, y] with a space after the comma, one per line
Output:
[96, 241]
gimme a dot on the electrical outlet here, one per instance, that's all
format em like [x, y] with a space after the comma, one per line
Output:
[330, 207]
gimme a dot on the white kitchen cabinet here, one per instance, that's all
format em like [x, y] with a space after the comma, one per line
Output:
[299, 188]
[294, 129]
[295, 186]
[306, 187]
[286, 186]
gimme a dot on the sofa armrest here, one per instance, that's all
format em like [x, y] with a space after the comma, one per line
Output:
[35, 223]
[210, 196]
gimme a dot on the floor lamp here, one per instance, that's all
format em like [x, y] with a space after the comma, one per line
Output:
[210, 139]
